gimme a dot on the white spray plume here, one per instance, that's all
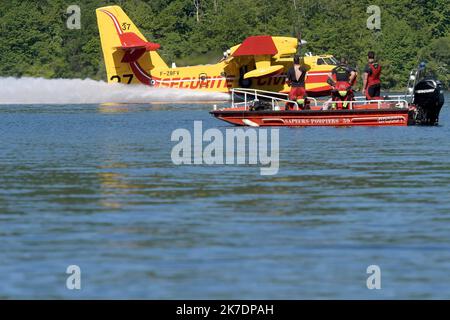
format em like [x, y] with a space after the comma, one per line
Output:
[77, 91]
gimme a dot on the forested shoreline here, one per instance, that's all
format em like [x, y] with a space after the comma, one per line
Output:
[36, 42]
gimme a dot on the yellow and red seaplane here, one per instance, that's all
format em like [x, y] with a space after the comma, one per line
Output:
[259, 62]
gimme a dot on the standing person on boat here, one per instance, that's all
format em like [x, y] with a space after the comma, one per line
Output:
[371, 78]
[353, 74]
[295, 78]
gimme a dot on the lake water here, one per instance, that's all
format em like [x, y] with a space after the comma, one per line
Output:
[94, 186]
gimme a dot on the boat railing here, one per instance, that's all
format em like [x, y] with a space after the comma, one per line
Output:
[275, 98]
[252, 95]
[391, 97]
[397, 100]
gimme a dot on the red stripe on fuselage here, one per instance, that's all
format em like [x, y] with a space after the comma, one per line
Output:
[142, 76]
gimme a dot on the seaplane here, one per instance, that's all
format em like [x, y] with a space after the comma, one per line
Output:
[259, 62]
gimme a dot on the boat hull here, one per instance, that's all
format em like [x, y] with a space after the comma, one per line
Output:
[307, 118]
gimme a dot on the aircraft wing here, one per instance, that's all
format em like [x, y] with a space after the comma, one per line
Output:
[256, 45]
[263, 49]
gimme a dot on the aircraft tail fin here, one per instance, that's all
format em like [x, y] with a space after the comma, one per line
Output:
[126, 51]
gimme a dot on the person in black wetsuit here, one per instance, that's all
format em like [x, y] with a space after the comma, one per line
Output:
[295, 78]
[341, 79]
[343, 72]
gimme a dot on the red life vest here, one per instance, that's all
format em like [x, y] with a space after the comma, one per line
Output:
[374, 76]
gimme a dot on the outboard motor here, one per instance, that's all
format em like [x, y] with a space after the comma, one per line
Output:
[429, 99]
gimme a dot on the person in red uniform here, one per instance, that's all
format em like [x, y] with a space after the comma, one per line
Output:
[371, 78]
[295, 78]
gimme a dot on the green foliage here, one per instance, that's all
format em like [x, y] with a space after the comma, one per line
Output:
[36, 42]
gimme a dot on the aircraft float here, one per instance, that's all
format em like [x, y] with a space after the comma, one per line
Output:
[259, 62]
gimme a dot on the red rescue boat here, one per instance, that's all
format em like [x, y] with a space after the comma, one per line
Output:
[259, 108]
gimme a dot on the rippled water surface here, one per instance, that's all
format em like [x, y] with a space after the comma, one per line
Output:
[95, 186]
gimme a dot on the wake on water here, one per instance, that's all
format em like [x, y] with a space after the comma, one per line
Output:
[77, 91]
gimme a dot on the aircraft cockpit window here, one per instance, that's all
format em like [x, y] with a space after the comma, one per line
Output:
[320, 62]
[327, 61]
[334, 61]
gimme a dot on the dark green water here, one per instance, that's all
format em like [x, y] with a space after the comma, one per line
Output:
[95, 186]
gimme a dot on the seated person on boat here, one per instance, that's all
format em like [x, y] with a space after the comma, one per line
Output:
[342, 78]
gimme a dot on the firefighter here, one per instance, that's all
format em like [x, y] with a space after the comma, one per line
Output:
[342, 78]
[295, 78]
[371, 78]
[343, 73]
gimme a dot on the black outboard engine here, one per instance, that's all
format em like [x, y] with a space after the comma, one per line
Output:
[429, 99]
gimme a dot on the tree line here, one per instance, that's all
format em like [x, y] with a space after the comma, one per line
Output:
[35, 40]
